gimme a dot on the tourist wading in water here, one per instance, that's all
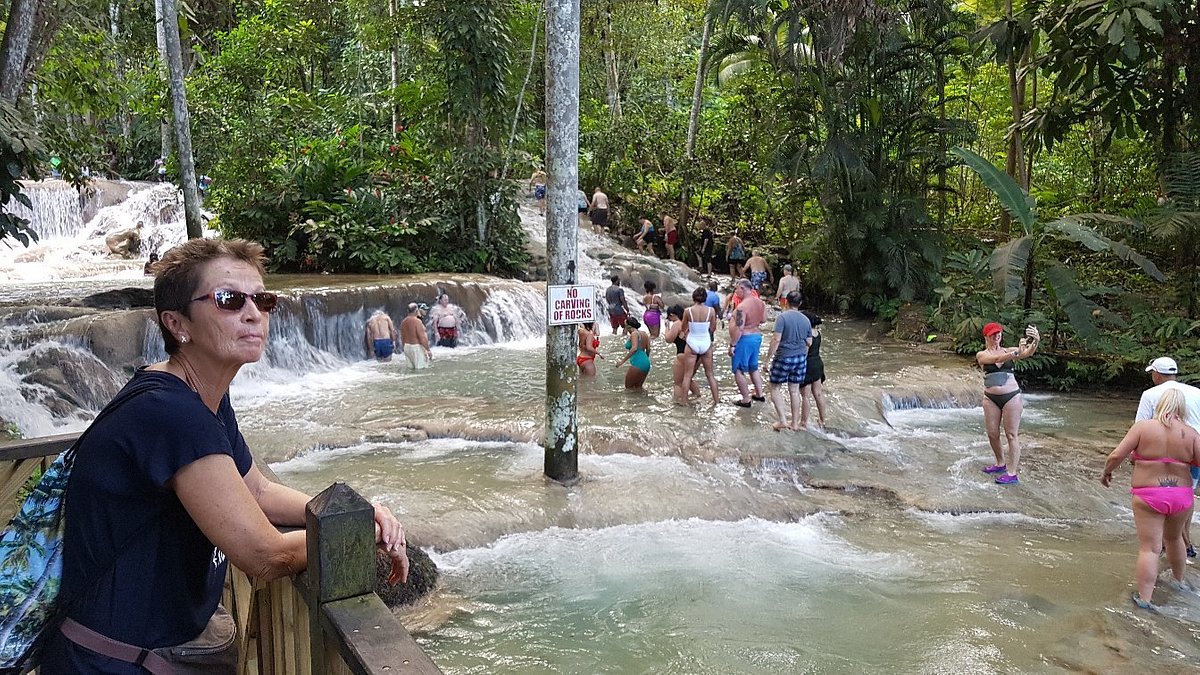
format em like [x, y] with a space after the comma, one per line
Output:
[1163, 372]
[588, 346]
[618, 309]
[653, 302]
[681, 375]
[414, 337]
[380, 336]
[699, 327]
[1002, 404]
[788, 356]
[445, 321]
[745, 341]
[1161, 449]
[638, 356]
[814, 377]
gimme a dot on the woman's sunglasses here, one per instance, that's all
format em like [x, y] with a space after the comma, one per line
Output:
[234, 301]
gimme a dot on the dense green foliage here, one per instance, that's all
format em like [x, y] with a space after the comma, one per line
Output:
[826, 135]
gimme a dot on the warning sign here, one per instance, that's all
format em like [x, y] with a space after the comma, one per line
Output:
[570, 304]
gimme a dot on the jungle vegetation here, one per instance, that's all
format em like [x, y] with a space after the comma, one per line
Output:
[1027, 161]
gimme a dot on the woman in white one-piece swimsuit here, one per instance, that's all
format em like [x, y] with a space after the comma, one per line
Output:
[699, 338]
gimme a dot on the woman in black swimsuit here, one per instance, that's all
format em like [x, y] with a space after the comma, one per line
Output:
[1002, 404]
[814, 377]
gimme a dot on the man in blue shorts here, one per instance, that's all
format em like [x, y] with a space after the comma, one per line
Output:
[788, 356]
[380, 336]
[745, 341]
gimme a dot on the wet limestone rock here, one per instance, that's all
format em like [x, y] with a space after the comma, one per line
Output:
[422, 577]
[118, 298]
[65, 380]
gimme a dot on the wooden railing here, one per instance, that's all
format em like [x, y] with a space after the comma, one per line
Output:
[350, 631]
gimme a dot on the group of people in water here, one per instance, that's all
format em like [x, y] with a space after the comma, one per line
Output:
[793, 365]
[381, 337]
[1163, 445]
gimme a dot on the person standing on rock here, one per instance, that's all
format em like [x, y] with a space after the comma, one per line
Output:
[745, 342]
[599, 211]
[759, 271]
[380, 336]
[670, 234]
[537, 183]
[645, 236]
[704, 252]
[618, 310]
[414, 337]
[735, 254]
[581, 201]
[787, 283]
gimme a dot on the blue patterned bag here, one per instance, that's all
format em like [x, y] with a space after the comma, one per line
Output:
[31, 556]
[31, 566]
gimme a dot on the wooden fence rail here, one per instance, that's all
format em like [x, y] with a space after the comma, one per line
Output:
[350, 631]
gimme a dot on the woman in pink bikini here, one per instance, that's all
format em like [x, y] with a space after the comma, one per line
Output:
[1161, 449]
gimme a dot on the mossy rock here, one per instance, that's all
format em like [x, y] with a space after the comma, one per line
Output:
[422, 578]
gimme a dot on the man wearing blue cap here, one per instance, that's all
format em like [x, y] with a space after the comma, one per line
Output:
[1163, 372]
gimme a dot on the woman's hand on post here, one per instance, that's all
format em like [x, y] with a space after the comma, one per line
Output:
[389, 537]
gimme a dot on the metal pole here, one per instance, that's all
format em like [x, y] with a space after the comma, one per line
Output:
[562, 186]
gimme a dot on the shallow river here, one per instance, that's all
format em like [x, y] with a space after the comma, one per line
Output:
[701, 541]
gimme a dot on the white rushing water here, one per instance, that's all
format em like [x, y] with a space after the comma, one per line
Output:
[70, 249]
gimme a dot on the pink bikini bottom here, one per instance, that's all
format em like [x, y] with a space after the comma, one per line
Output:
[1166, 500]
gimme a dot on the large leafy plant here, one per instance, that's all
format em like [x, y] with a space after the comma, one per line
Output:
[1015, 263]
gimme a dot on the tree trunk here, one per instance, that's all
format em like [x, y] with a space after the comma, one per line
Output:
[562, 167]
[685, 191]
[164, 125]
[611, 73]
[125, 117]
[395, 107]
[18, 34]
[183, 121]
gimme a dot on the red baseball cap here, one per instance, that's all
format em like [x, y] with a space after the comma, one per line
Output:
[992, 328]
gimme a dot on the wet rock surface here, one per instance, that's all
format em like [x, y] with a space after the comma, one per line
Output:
[422, 578]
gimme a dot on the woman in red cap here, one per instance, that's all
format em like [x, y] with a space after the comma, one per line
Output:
[1002, 404]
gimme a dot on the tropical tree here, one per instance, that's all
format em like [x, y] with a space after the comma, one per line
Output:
[1014, 264]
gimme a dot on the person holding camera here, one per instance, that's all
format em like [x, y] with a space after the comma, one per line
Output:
[1002, 404]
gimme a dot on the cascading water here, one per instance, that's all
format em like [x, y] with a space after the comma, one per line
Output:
[56, 212]
[698, 539]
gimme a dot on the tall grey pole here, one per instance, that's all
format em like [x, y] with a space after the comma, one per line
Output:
[562, 185]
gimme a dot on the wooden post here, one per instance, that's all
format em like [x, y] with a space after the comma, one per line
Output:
[341, 556]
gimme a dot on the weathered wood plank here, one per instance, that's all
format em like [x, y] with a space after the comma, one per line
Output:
[371, 639]
[13, 476]
[35, 447]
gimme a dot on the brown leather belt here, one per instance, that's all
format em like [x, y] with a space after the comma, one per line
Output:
[102, 644]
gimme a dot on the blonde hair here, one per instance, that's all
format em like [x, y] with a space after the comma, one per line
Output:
[1172, 404]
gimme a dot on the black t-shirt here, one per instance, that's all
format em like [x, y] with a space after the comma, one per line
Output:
[167, 576]
[706, 241]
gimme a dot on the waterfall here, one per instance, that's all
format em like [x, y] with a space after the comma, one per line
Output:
[56, 212]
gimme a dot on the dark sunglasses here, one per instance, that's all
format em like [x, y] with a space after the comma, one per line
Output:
[234, 301]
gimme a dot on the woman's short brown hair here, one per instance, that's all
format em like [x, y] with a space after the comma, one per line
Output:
[177, 275]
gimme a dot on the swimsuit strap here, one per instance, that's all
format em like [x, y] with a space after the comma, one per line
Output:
[1164, 460]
